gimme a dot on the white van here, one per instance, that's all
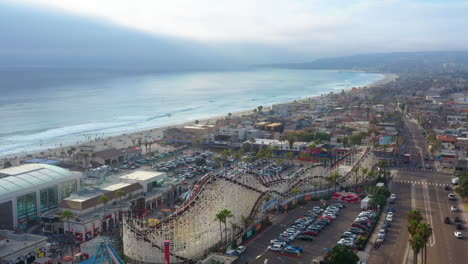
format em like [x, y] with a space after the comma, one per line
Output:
[455, 181]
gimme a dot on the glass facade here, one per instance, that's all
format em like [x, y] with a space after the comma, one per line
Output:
[49, 198]
[26, 205]
[66, 189]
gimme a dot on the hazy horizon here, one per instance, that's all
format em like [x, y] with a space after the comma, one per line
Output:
[180, 35]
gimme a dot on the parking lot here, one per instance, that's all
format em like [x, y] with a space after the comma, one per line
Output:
[257, 251]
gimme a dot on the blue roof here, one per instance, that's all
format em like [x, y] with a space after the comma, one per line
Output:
[42, 161]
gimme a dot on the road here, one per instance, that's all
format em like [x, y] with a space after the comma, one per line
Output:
[423, 191]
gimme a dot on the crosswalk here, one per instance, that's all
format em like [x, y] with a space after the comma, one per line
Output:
[420, 182]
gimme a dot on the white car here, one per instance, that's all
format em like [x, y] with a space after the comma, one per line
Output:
[451, 196]
[389, 218]
[393, 196]
[279, 242]
[275, 247]
[241, 249]
[454, 209]
[458, 234]
[390, 214]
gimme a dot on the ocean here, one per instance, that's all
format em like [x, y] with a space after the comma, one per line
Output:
[40, 115]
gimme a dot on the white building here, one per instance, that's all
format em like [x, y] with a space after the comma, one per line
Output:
[282, 145]
[237, 133]
[27, 191]
[378, 107]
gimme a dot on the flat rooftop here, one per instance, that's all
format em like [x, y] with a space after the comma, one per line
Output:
[17, 242]
[142, 175]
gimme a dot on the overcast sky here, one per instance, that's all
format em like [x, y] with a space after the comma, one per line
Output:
[262, 30]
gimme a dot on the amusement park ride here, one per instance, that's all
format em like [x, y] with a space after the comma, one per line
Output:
[105, 254]
[191, 228]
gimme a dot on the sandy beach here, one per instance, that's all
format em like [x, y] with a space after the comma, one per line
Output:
[101, 142]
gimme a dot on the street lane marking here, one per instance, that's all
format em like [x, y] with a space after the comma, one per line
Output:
[428, 213]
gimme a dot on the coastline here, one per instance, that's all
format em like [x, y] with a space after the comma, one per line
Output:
[125, 140]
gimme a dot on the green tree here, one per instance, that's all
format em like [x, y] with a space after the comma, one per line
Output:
[120, 194]
[414, 215]
[342, 255]
[345, 141]
[7, 164]
[416, 243]
[260, 108]
[222, 217]
[333, 179]
[200, 161]
[462, 188]
[290, 155]
[67, 215]
[425, 230]
[104, 200]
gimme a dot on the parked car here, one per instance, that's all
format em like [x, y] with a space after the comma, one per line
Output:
[458, 234]
[291, 251]
[456, 219]
[275, 247]
[241, 249]
[300, 249]
[356, 230]
[459, 227]
[453, 208]
[451, 196]
[310, 233]
[305, 238]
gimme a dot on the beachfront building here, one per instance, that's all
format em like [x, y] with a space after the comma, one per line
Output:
[236, 134]
[283, 110]
[109, 156]
[29, 190]
[281, 145]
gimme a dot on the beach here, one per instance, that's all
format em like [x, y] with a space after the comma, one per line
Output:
[124, 140]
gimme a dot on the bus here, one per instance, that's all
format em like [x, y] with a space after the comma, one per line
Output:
[406, 158]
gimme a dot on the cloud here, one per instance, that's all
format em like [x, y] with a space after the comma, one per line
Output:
[312, 27]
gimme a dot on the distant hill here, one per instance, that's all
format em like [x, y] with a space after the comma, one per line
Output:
[402, 62]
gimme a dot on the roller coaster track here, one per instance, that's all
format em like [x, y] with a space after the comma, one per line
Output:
[293, 181]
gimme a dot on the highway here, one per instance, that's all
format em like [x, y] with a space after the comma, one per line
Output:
[424, 191]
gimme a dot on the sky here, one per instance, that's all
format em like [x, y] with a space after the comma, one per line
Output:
[241, 31]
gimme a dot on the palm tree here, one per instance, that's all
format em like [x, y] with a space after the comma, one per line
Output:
[220, 216]
[120, 194]
[333, 179]
[414, 215]
[234, 227]
[67, 215]
[227, 214]
[246, 221]
[425, 230]
[416, 242]
[104, 200]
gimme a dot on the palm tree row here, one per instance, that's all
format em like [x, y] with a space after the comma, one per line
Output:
[420, 233]
[222, 217]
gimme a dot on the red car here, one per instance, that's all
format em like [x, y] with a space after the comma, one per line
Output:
[359, 225]
[310, 233]
[328, 217]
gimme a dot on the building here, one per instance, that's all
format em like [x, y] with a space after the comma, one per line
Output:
[281, 145]
[142, 191]
[15, 247]
[283, 110]
[110, 156]
[236, 133]
[378, 107]
[29, 190]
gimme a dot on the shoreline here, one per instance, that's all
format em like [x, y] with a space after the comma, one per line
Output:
[124, 140]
